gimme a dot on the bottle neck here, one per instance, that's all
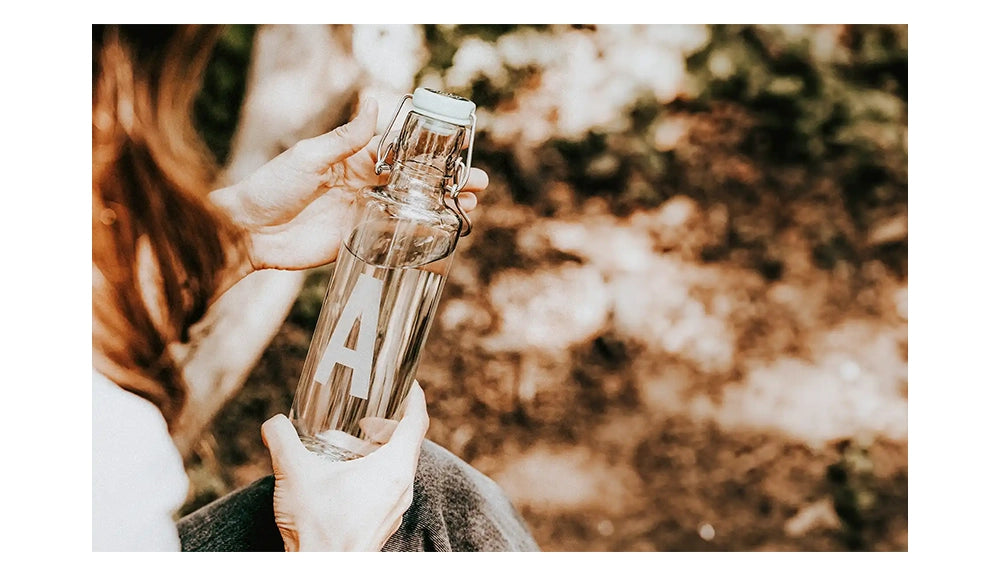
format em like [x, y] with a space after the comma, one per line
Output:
[426, 158]
[417, 183]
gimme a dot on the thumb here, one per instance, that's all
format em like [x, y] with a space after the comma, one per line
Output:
[409, 434]
[377, 430]
[320, 152]
[281, 439]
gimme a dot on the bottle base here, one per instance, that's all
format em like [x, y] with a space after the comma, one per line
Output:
[337, 445]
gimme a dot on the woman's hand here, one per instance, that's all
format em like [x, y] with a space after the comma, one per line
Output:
[356, 505]
[294, 210]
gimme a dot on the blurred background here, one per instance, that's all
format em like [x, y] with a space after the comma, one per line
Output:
[680, 322]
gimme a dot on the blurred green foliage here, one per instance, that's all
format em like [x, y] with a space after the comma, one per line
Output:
[305, 311]
[856, 496]
[773, 115]
[838, 108]
[217, 107]
[823, 120]
[442, 43]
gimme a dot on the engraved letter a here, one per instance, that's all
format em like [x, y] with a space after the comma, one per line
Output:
[363, 304]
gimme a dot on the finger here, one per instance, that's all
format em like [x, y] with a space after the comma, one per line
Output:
[377, 430]
[415, 410]
[409, 434]
[322, 151]
[282, 441]
[478, 180]
[372, 147]
[467, 200]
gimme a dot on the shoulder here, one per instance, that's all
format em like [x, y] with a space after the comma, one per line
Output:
[138, 476]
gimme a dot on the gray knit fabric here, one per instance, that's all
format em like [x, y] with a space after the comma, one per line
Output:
[455, 508]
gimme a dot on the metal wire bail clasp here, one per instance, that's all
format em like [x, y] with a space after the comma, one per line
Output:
[462, 172]
[462, 168]
[380, 164]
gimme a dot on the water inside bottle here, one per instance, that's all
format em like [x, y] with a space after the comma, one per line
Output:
[411, 261]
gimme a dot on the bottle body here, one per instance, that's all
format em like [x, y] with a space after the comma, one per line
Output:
[387, 283]
[375, 319]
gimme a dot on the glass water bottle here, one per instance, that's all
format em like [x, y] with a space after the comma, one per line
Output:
[387, 282]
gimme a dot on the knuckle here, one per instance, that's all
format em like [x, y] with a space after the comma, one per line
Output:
[341, 131]
[302, 149]
[298, 147]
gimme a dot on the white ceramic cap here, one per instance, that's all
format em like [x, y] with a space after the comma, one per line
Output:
[443, 106]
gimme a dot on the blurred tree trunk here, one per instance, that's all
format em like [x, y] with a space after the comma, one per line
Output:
[303, 81]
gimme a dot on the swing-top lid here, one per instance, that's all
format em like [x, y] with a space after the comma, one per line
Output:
[443, 106]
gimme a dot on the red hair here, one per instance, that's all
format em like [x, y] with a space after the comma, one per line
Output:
[159, 247]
